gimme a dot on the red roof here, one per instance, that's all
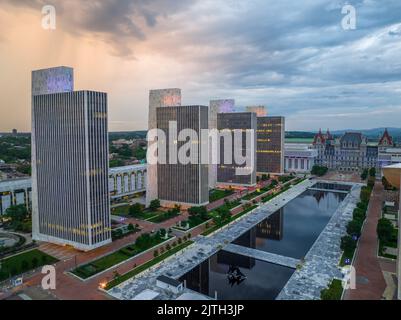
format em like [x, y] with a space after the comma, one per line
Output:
[386, 137]
[321, 136]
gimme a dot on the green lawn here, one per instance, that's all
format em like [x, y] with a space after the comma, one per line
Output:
[123, 211]
[24, 262]
[163, 217]
[113, 259]
[193, 222]
[349, 254]
[334, 291]
[217, 194]
[146, 266]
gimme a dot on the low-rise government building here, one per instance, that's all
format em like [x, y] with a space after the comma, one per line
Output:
[299, 158]
[123, 182]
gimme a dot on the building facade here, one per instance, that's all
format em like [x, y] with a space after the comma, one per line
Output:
[216, 107]
[299, 158]
[71, 202]
[157, 99]
[15, 192]
[389, 154]
[270, 145]
[349, 153]
[186, 184]
[125, 181]
[228, 169]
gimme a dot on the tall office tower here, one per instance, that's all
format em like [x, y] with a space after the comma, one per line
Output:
[157, 99]
[270, 145]
[216, 107]
[71, 204]
[259, 110]
[229, 171]
[183, 182]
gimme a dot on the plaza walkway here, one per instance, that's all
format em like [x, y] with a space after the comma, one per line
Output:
[370, 280]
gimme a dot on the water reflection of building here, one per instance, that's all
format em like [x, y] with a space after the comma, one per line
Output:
[319, 196]
[272, 228]
[198, 278]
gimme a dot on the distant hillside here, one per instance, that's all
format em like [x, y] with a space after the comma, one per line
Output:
[373, 133]
[299, 135]
[128, 135]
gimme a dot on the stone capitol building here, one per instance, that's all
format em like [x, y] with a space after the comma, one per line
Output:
[349, 153]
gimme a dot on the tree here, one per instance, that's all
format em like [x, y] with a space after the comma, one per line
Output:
[354, 228]
[385, 230]
[319, 171]
[224, 213]
[274, 184]
[348, 244]
[199, 212]
[17, 213]
[359, 214]
[154, 205]
[371, 182]
[156, 253]
[365, 194]
[364, 174]
[136, 209]
[131, 227]
[372, 172]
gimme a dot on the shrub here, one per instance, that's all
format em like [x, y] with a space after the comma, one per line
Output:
[354, 228]
[154, 205]
[319, 171]
[363, 206]
[385, 230]
[364, 175]
[372, 172]
[365, 194]
[348, 244]
[136, 209]
[359, 214]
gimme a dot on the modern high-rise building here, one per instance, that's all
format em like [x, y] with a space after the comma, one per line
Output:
[183, 183]
[158, 99]
[70, 196]
[270, 142]
[270, 145]
[216, 107]
[229, 171]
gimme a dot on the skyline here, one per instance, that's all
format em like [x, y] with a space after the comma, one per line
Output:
[257, 53]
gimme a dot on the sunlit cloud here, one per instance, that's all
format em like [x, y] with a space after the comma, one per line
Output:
[292, 56]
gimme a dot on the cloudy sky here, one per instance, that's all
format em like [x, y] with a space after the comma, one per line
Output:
[292, 56]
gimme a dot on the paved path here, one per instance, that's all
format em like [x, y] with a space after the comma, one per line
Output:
[263, 256]
[70, 288]
[370, 280]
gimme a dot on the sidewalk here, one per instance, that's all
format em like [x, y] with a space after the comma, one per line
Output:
[370, 280]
